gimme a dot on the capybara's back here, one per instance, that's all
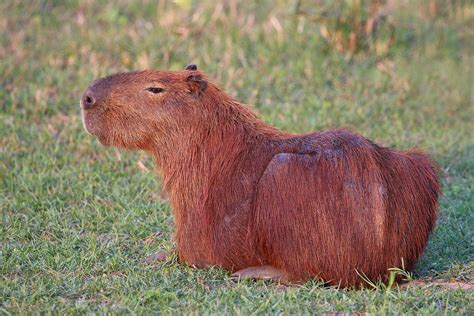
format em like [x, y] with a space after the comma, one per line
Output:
[264, 203]
[335, 197]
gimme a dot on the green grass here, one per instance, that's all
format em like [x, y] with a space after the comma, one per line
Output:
[78, 219]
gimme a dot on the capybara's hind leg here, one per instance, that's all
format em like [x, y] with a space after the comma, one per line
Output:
[262, 272]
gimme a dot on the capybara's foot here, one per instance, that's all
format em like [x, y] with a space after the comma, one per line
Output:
[157, 257]
[262, 272]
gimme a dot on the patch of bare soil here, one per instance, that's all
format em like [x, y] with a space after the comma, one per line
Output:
[451, 284]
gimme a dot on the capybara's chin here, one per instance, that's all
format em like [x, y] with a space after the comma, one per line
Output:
[95, 130]
[103, 140]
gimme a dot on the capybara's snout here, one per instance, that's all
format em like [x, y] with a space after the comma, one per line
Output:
[95, 94]
[94, 98]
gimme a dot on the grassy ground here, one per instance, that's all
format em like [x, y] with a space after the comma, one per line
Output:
[78, 219]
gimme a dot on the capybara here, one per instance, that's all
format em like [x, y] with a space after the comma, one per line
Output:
[260, 202]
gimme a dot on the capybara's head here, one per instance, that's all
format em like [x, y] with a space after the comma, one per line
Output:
[127, 109]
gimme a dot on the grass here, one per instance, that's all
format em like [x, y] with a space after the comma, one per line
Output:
[78, 219]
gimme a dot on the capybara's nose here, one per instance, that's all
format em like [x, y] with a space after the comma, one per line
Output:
[88, 100]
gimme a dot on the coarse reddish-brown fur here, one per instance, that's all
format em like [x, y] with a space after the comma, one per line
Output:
[328, 204]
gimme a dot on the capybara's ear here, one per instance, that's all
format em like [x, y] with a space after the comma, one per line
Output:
[191, 67]
[196, 83]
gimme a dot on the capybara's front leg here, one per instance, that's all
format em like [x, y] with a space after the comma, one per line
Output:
[160, 256]
[266, 272]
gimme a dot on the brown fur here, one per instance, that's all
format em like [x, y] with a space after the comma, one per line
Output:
[329, 204]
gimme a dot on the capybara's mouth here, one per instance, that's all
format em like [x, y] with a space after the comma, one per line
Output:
[93, 123]
[91, 126]
[86, 123]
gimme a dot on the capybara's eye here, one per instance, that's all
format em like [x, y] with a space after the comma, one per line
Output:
[155, 90]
